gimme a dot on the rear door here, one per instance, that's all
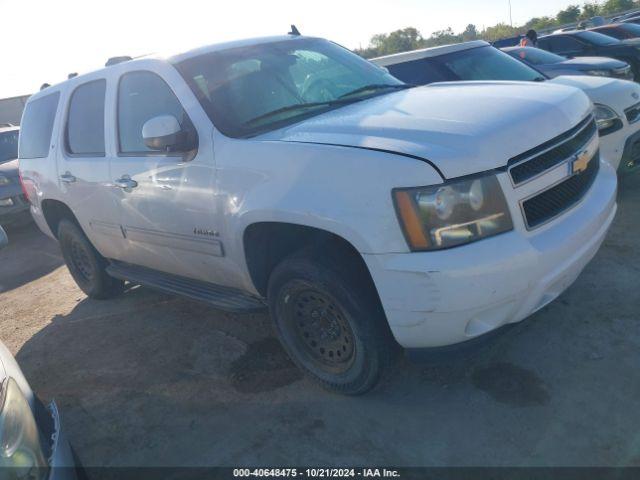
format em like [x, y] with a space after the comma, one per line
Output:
[83, 167]
[167, 202]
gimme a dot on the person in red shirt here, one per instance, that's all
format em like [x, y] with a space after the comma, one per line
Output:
[530, 39]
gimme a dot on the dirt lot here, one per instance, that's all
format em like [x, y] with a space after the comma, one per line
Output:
[150, 379]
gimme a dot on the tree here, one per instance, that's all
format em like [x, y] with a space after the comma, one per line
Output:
[568, 15]
[470, 33]
[501, 30]
[398, 41]
[615, 6]
[538, 23]
[589, 9]
[443, 37]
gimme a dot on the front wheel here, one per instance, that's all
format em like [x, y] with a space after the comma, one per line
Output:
[330, 321]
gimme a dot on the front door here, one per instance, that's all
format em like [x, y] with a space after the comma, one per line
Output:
[166, 198]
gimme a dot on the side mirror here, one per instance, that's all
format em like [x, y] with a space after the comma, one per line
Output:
[164, 133]
[4, 240]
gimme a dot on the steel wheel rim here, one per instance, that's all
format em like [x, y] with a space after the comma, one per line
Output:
[81, 261]
[319, 328]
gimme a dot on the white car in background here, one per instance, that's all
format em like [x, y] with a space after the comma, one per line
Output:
[32, 443]
[617, 102]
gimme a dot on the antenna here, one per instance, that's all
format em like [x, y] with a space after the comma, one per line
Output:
[116, 60]
[294, 31]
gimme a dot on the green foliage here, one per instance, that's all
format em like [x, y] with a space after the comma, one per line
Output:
[568, 15]
[498, 31]
[614, 6]
[411, 39]
[589, 9]
[470, 33]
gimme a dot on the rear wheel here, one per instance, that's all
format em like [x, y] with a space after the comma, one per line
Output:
[330, 321]
[86, 265]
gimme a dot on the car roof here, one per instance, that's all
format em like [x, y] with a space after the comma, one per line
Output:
[427, 53]
[163, 58]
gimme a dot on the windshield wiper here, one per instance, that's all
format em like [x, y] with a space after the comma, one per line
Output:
[297, 106]
[377, 86]
[539, 79]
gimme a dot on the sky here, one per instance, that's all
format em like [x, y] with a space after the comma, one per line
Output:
[44, 40]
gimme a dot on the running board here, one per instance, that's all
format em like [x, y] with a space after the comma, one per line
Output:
[223, 298]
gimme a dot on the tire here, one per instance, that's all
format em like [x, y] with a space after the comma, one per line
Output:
[329, 320]
[86, 265]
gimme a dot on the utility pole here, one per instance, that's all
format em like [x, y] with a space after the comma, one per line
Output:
[510, 17]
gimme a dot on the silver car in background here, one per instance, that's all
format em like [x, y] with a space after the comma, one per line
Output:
[32, 443]
[553, 65]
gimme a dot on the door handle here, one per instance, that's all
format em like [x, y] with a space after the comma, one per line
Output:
[126, 183]
[66, 177]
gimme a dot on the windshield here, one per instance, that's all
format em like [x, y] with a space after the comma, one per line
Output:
[596, 38]
[484, 63]
[250, 90]
[536, 56]
[8, 146]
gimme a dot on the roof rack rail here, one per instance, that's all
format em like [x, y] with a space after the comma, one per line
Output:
[116, 60]
[6, 124]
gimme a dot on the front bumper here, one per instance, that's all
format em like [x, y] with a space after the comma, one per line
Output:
[61, 460]
[13, 204]
[616, 146]
[433, 299]
[631, 154]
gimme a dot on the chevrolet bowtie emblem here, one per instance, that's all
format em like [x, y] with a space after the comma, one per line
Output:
[581, 162]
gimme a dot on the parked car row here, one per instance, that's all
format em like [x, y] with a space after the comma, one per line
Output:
[617, 102]
[13, 204]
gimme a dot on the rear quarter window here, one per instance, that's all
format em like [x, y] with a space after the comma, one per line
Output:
[37, 125]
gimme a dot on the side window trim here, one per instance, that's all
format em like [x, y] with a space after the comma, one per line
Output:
[119, 152]
[65, 133]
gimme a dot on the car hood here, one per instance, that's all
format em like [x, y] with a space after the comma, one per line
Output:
[618, 94]
[460, 127]
[9, 169]
[592, 62]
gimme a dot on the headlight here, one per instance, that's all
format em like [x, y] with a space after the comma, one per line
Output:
[598, 73]
[606, 119]
[451, 214]
[4, 180]
[19, 438]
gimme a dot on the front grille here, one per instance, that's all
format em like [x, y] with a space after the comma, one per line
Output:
[633, 113]
[546, 156]
[552, 202]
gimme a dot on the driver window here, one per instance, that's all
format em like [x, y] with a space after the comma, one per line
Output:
[143, 95]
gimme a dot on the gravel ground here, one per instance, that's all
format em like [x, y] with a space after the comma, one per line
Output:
[151, 379]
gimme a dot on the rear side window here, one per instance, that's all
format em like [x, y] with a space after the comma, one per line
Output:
[419, 72]
[142, 96]
[37, 125]
[85, 123]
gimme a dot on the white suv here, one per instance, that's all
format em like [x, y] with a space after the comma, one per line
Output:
[289, 172]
